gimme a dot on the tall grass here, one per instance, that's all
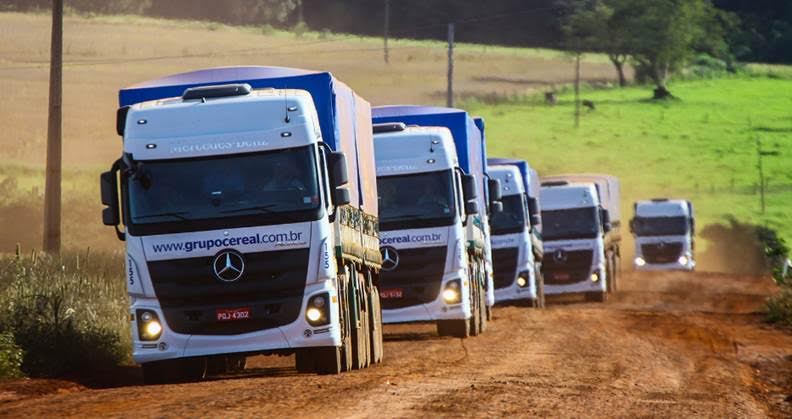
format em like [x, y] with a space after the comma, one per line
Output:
[67, 313]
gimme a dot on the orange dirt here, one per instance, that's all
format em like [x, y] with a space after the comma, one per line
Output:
[668, 345]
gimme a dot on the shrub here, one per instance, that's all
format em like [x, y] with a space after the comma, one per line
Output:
[775, 251]
[68, 314]
[779, 307]
[10, 357]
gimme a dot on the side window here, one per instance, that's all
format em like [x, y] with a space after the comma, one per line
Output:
[325, 180]
[459, 197]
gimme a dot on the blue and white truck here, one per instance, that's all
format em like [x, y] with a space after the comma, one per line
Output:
[516, 233]
[664, 232]
[492, 194]
[247, 200]
[432, 214]
[580, 220]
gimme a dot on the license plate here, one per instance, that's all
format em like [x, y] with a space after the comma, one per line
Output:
[391, 293]
[232, 314]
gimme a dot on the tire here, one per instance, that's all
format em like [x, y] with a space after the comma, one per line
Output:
[616, 272]
[597, 297]
[454, 328]
[376, 327]
[346, 348]
[182, 370]
[322, 360]
[360, 336]
[489, 313]
[540, 293]
[483, 308]
[475, 303]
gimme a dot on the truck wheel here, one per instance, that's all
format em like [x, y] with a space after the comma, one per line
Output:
[376, 327]
[347, 349]
[489, 313]
[597, 297]
[454, 328]
[360, 336]
[616, 272]
[483, 309]
[323, 360]
[475, 306]
[182, 370]
[540, 294]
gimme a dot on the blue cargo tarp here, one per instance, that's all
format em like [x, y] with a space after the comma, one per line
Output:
[344, 117]
[467, 137]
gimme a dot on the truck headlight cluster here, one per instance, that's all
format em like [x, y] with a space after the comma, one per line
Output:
[452, 294]
[639, 261]
[317, 313]
[523, 279]
[683, 260]
[149, 326]
[595, 276]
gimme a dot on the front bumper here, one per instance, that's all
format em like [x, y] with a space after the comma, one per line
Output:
[675, 266]
[586, 285]
[516, 292]
[298, 334]
[435, 310]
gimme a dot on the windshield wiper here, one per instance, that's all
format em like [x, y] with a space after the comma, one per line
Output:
[261, 208]
[178, 215]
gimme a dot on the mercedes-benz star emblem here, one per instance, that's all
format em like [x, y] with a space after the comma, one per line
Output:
[390, 258]
[228, 266]
[559, 255]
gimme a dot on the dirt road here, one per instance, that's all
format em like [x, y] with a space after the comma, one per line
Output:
[670, 344]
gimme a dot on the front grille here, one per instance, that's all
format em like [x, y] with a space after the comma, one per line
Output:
[272, 288]
[661, 252]
[504, 263]
[419, 275]
[567, 267]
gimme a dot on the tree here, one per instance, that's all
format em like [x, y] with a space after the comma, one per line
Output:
[596, 26]
[662, 35]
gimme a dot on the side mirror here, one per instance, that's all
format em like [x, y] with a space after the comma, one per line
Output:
[497, 206]
[607, 227]
[632, 226]
[338, 168]
[471, 207]
[495, 193]
[692, 227]
[469, 188]
[109, 192]
[533, 209]
[341, 197]
[606, 223]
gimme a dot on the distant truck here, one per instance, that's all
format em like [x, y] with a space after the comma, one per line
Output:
[516, 233]
[492, 193]
[248, 202]
[664, 231]
[432, 216]
[580, 219]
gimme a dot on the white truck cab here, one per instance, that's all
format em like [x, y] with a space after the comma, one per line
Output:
[573, 230]
[425, 203]
[516, 270]
[664, 232]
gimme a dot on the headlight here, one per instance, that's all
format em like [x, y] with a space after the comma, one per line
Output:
[595, 277]
[452, 294]
[639, 261]
[523, 279]
[149, 326]
[683, 260]
[317, 312]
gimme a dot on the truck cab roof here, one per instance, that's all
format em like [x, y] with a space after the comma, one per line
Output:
[414, 150]
[663, 208]
[570, 195]
[510, 178]
[179, 128]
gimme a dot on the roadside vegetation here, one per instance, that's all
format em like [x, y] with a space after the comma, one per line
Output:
[61, 316]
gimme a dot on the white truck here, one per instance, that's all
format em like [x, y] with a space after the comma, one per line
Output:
[431, 209]
[581, 245]
[516, 236]
[247, 200]
[664, 232]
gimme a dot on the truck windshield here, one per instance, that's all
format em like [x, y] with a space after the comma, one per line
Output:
[223, 191]
[660, 226]
[569, 224]
[416, 200]
[512, 219]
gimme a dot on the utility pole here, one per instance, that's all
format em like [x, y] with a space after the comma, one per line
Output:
[577, 90]
[450, 88]
[52, 186]
[387, 28]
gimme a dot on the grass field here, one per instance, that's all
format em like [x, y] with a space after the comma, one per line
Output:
[701, 147]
